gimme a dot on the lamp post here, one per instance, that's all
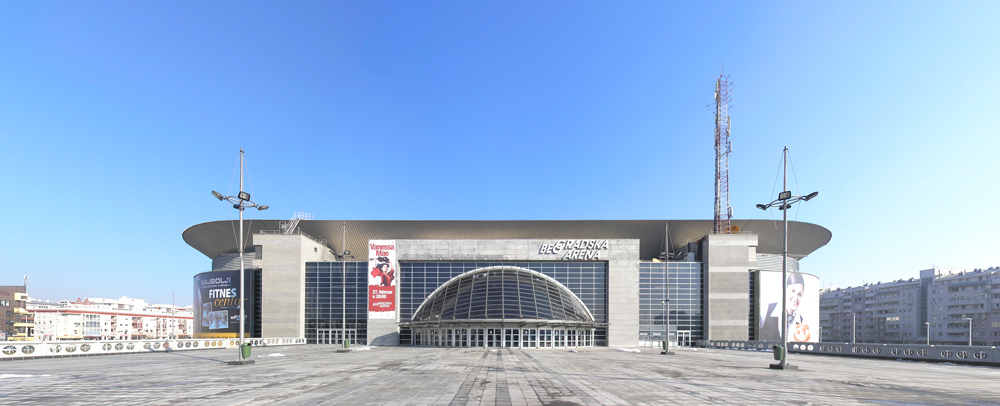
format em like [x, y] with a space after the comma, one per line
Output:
[437, 335]
[784, 202]
[970, 329]
[666, 323]
[240, 202]
[854, 325]
[928, 324]
[666, 300]
[343, 296]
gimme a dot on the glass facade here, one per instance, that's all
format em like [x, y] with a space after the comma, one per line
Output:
[324, 304]
[752, 334]
[587, 280]
[257, 307]
[686, 293]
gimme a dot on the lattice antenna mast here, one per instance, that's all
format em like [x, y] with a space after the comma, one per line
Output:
[723, 148]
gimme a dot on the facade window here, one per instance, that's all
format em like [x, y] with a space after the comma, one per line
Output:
[685, 283]
[324, 302]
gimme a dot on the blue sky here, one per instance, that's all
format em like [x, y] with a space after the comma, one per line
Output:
[118, 118]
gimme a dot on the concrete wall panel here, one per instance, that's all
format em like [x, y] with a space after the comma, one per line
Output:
[728, 260]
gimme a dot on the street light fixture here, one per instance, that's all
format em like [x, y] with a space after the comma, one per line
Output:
[241, 201]
[785, 201]
[970, 329]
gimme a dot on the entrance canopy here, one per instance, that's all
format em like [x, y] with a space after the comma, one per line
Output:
[502, 294]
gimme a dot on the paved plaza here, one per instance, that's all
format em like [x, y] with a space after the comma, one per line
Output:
[318, 375]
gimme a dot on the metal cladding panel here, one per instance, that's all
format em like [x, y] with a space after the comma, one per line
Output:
[218, 237]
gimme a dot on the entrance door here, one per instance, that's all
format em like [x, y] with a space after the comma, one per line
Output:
[335, 335]
[684, 338]
[493, 337]
[512, 338]
[545, 338]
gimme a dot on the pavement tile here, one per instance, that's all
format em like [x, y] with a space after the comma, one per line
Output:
[317, 375]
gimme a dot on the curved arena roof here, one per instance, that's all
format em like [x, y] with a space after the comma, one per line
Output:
[219, 237]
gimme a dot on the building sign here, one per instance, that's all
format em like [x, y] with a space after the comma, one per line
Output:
[382, 279]
[575, 250]
[217, 304]
[4, 303]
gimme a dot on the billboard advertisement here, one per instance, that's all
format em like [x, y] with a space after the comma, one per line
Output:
[801, 316]
[382, 279]
[217, 304]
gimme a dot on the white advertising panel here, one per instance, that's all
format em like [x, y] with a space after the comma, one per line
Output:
[382, 279]
[801, 316]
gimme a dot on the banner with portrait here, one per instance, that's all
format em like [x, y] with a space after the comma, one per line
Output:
[801, 316]
[382, 277]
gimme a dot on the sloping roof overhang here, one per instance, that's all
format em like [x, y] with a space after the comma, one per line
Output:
[219, 237]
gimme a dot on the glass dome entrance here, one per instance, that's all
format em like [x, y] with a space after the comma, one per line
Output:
[502, 293]
[503, 306]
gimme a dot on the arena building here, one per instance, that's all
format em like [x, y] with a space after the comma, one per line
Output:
[493, 283]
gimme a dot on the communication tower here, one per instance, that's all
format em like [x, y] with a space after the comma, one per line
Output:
[723, 148]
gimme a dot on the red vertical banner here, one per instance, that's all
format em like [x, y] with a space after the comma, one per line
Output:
[382, 276]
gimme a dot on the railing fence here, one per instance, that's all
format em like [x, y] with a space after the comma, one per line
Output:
[964, 354]
[20, 350]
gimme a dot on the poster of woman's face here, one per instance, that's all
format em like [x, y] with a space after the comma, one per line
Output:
[801, 316]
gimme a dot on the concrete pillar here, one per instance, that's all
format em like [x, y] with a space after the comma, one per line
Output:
[728, 259]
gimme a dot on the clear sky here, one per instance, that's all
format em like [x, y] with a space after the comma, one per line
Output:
[118, 118]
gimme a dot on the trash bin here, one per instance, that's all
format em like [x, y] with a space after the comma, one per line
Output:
[779, 352]
[246, 350]
[665, 346]
[347, 344]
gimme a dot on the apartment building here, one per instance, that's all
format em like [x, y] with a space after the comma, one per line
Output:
[944, 305]
[16, 323]
[109, 319]
[963, 303]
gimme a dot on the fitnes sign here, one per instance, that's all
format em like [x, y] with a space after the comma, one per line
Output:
[574, 250]
[217, 293]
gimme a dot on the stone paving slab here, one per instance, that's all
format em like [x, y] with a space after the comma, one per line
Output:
[318, 375]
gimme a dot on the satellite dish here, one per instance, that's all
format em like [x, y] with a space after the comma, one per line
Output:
[734, 229]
